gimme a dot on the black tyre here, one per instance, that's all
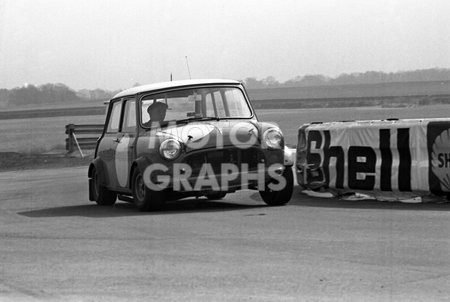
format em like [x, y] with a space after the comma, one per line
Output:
[216, 196]
[281, 197]
[144, 198]
[100, 193]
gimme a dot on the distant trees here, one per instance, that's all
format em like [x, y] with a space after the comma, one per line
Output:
[49, 94]
[4, 98]
[96, 94]
[254, 83]
[60, 93]
[369, 77]
[56, 93]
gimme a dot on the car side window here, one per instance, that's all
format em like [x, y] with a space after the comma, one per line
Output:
[114, 118]
[129, 116]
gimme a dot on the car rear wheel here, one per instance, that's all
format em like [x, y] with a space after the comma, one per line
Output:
[281, 197]
[144, 198]
[101, 194]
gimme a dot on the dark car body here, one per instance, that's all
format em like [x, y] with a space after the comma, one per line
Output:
[209, 144]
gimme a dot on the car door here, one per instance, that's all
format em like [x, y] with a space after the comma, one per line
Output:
[125, 151]
[108, 143]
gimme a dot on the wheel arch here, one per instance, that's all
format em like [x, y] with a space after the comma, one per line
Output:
[99, 165]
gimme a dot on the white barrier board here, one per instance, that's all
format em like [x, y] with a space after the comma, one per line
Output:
[390, 156]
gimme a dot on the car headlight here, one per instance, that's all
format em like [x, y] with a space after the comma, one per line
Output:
[170, 149]
[273, 138]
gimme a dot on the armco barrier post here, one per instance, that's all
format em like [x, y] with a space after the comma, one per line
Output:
[70, 146]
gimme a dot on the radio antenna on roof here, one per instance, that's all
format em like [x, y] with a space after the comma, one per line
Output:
[187, 64]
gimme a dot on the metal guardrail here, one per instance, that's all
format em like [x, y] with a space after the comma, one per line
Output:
[82, 136]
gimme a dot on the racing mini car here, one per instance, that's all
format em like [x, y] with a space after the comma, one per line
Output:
[178, 139]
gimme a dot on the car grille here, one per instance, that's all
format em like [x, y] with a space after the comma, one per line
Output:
[215, 158]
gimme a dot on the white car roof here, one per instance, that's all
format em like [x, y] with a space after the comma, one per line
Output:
[164, 85]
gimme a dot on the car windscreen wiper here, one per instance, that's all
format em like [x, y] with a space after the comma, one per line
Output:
[201, 118]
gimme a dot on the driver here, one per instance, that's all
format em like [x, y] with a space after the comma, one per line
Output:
[157, 112]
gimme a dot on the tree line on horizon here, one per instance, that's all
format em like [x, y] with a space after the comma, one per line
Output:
[357, 78]
[61, 93]
[50, 94]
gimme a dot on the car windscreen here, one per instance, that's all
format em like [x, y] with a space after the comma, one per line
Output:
[198, 103]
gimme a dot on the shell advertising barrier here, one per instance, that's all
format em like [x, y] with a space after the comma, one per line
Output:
[388, 156]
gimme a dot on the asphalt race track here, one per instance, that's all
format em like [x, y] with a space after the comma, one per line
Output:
[56, 245]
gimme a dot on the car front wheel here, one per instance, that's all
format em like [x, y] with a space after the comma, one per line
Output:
[144, 198]
[280, 197]
[101, 194]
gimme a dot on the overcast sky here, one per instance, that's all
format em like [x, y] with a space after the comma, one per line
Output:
[114, 44]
